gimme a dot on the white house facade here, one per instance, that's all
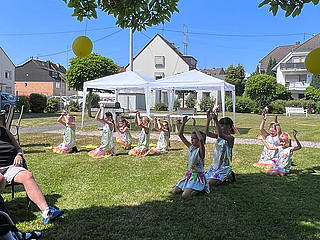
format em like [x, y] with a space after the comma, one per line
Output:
[7, 73]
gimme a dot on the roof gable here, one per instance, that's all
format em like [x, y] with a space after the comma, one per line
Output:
[7, 56]
[309, 45]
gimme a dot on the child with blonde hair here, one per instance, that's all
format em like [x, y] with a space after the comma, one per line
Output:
[68, 144]
[142, 148]
[125, 138]
[164, 136]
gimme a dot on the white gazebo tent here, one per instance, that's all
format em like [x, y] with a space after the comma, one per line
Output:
[195, 80]
[117, 82]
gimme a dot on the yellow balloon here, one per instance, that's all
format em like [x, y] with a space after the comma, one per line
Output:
[82, 46]
[312, 61]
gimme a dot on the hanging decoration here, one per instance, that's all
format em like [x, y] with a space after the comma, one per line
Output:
[312, 61]
[82, 46]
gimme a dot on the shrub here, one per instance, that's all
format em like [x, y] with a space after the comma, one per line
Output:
[282, 93]
[207, 103]
[52, 105]
[23, 101]
[160, 106]
[73, 106]
[95, 100]
[306, 104]
[243, 104]
[176, 104]
[190, 101]
[38, 102]
[276, 108]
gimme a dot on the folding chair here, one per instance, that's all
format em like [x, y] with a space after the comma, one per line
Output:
[10, 117]
[18, 125]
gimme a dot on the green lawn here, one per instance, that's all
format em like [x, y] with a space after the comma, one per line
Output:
[129, 197]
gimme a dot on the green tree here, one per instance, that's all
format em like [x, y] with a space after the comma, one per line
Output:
[236, 76]
[89, 68]
[315, 81]
[312, 94]
[292, 7]
[182, 93]
[257, 72]
[282, 93]
[135, 14]
[271, 64]
[261, 88]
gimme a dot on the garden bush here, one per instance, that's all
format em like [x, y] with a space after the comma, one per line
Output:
[243, 104]
[306, 104]
[73, 106]
[52, 105]
[190, 101]
[176, 104]
[207, 103]
[95, 100]
[276, 108]
[160, 106]
[23, 100]
[38, 102]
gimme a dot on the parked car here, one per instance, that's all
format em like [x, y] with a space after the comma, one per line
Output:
[78, 99]
[7, 100]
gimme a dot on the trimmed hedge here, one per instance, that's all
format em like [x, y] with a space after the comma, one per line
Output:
[243, 104]
[38, 102]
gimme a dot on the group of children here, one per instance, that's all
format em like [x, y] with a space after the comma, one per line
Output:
[106, 148]
[276, 156]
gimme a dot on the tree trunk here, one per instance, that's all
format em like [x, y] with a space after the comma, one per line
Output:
[183, 99]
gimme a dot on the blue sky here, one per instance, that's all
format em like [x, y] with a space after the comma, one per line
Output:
[218, 31]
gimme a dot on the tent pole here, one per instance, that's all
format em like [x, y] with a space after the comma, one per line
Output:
[83, 105]
[223, 99]
[234, 106]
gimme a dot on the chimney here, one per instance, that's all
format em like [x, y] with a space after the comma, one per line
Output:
[298, 43]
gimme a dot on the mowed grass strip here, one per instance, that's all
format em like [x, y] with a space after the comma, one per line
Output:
[125, 197]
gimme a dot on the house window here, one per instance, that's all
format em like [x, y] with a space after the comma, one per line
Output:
[303, 78]
[158, 75]
[296, 59]
[54, 74]
[8, 89]
[300, 95]
[57, 84]
[159, 61]
[205, 95]
[25, 84]
[303, 59]
[7, 74]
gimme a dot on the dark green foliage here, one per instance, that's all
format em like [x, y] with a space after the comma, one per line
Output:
[190, 101]
[207, 103]
[38, 102]
[271, 64]
[129, 14]
[89, 68]
[95, 100]
[306, 104]
[315, 81]
[23, 101]
[257, 72]
[282, 93]
[73, 106]
[276, 108]
[236, 76]
[176, 104]
[261, 89]
[52, 105]
[160, 106]
[312, 94]
[243, 104]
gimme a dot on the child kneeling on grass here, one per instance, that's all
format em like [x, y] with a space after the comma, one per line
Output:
[283, 162]
[164, 136]
[195, 181]
[69, 139]
[125, 138]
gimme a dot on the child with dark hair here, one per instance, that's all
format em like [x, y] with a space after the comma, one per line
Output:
[272, 138]
[164, 136]
[106, 148]
[221, 166]
[195, 181]
[125, 138]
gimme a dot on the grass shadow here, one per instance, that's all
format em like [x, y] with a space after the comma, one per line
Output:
[244, 130]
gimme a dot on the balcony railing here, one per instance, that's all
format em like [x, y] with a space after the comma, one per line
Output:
[290, 66]
[301, 86]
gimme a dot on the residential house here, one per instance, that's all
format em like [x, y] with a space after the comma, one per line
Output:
[158, 59]
[42, 77]
[291, 71]
[7, 73]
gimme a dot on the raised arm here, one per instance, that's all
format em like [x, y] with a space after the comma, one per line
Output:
[181, 130]
[278, 128]
[229, 138]
[99, 113]
[202, 151]
[61, 119]
[156, 124]
[264, 119]
[298, 143]
[265, 143]
[70, 120]
[208, 133]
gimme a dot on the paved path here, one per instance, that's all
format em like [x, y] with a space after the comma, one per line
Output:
[59, 129]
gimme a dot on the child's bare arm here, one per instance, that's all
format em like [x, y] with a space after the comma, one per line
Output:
[181, 130]
[298, 143]
[202, 151]
[61, 118]
[264, 119]
[229, 138]
[278, 128]
[208, 133]
[265, 143]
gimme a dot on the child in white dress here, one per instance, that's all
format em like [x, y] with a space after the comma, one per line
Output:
[163, 140]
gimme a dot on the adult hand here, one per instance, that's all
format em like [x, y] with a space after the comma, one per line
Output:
[18, 161]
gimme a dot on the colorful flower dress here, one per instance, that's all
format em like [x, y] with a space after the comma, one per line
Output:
[195, 177]
[143, 145]
[221, 166]
[283, 162]
[125, 138]
[267, 156]
[106, 148]
[162, 144]
[69, 141]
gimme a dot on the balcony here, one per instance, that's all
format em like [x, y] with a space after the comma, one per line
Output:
[292, 66]
[297, 86]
